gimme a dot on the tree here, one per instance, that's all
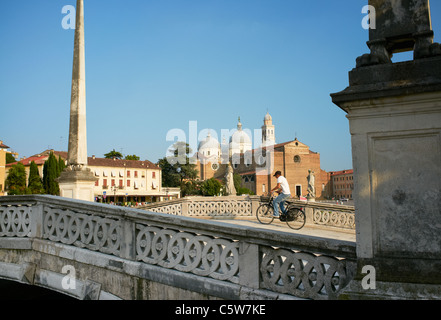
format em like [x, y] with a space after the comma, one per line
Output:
[238, 185]
[10, 158]
[16, 180]
[35, 184]
[170, 178]
[61, 165]
[50, 173]
[113, 154]
[191, 188]
[211, 187]
[131, 157]
[181, 160]
[177, 168]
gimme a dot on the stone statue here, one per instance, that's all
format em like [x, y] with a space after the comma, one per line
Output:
[311, 185]
[400, 26]
[229, 182]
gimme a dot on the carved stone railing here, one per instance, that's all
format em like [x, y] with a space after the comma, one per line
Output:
[317, 214]
[285, 263]
[218, 207]
[328, 215]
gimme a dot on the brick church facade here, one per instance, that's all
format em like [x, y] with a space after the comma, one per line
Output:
[257, 166]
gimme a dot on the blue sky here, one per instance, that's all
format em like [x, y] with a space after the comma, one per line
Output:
[153, 66]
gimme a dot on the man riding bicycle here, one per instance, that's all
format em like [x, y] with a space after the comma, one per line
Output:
[282, 188]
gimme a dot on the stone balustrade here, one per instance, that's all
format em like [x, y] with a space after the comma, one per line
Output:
[317, 214]
[259, 261]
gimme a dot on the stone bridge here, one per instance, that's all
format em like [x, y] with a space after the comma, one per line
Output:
[334, 216]
[93, 251]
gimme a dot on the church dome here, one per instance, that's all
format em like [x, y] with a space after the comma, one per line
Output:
[240, 137]
[240, 141]
[209, 146]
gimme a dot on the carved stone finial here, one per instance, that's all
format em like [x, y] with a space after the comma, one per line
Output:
[401, 25]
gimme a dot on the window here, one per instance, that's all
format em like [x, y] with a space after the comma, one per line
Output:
[113, 182]
[128, 183]
[128, 173]
[136, 174]
[121, 184]
[154, 175]
[297, 159]
[104, 182]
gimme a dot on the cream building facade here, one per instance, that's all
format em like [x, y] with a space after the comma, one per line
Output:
[128, 181]
[117, 181]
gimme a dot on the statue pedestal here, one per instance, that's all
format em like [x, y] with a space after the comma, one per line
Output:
[394, 112]
[77, 184]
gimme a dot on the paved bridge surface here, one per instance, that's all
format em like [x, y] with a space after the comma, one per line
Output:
[94, 251]
[337, 234]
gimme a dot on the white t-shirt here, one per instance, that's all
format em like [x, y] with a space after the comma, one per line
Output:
[284, 184]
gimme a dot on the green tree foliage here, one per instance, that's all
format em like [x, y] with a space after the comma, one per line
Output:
[170, 178]
[35, 184]
[177, 168]
[191, 188]
[211, 187]
[51, 172]
[132, 157]
[113, 154]
[10, 158]
[16, 180]
[61, 165]
[238, 185]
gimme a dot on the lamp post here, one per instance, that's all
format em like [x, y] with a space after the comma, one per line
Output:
[114, 188]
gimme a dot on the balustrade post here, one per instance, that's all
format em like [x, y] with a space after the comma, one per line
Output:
[184, 208]
[309, 212]
[255, 203]
[37, 221]
[249, 265]
[128, 238]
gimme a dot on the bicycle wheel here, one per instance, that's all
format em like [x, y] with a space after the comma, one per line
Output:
[296, 218]
[265, 214]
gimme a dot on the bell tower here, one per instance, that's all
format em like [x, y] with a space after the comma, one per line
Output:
[268, 131]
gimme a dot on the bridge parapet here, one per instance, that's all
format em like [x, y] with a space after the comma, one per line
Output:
[317, 214]
[247, 263]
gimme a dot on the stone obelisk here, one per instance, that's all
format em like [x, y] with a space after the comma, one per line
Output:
[77, 181]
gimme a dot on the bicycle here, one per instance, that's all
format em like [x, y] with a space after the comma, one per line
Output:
[294, 217]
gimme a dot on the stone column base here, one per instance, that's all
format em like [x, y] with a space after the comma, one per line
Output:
[77, 184]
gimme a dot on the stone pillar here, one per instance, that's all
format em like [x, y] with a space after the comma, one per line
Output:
[77, 181]
[394, 112]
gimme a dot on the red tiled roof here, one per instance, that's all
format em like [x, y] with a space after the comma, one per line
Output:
[3, 146]
[136, 164]
[39, 159]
